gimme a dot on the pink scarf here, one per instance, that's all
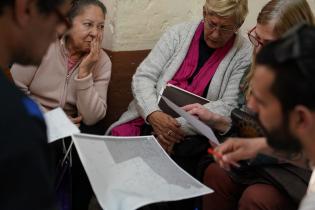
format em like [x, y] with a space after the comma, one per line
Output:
[189, 65]
[186, 70]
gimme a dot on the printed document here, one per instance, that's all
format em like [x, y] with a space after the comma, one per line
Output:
[59, 125]
[129, 172]
[193, 121]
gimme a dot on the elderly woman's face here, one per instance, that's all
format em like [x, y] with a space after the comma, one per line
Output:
[218, 30]
[86, 26]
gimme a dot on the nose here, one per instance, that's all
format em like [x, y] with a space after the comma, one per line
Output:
[215, 33]
[252, 104]
[94, 31]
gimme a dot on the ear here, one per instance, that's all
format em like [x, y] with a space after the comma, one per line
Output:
[23, 10]
[302, 120]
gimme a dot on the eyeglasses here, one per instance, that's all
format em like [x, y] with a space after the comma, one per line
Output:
[223, 29]
[62, 18]
[253, 39]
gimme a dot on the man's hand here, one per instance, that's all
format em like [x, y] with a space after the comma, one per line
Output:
[236, 149]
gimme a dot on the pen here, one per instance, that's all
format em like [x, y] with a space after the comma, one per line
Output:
[214, 153]
[219, 156]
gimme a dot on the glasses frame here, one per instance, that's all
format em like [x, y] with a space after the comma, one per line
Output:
[221, 29]
[253, 39]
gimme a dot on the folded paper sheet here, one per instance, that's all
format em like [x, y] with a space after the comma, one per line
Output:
[129, 172]
[194, 122]
[59, 125]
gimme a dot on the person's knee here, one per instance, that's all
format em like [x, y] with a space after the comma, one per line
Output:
[212, 174]
[219, 180]
[226, 192]
[263, 197]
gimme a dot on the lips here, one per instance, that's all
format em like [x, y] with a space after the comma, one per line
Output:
[214, 41]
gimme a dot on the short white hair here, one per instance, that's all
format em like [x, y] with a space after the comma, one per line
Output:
[228, 8]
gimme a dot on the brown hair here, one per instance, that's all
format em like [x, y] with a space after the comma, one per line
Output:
[283, 14]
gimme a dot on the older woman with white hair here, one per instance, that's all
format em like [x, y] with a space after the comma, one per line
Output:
[206, 57]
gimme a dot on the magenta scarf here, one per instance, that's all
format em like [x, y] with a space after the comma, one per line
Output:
[190, 63]
[186, 70]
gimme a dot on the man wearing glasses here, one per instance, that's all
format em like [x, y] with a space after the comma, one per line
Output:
[26, 177]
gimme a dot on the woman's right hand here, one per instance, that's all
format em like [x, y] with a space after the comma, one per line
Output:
[214, 120]
[166, 128]
[89, 61]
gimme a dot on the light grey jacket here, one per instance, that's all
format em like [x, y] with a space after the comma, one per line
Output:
[163, 62]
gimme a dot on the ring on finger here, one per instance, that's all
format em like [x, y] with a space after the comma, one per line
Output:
[169, 133]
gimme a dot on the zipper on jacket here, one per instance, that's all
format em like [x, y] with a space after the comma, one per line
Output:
[64, 93]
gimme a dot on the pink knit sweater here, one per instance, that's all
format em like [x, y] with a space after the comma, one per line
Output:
[52, 85]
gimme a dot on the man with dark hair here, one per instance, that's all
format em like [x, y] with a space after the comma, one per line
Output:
[283, 89]
[26, 176]
[283, 95]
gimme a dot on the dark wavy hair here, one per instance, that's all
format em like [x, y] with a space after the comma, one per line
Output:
[292, 61]
[78, 5]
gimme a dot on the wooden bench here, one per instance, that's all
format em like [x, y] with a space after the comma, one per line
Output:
[119, 92]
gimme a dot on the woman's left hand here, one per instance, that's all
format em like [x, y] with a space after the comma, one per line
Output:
[88, 63]
[216, 121]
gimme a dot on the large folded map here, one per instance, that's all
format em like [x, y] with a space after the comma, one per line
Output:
[129, 172]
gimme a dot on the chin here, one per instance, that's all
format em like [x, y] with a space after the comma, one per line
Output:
[212, 44]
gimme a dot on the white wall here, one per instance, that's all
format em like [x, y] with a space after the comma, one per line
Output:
[138, 24]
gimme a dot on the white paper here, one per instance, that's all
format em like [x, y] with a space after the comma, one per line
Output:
[129, 172]
[193, 121]
[59, 125]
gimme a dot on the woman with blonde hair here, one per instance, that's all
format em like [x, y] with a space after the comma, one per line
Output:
[268, 184]
[206, 57]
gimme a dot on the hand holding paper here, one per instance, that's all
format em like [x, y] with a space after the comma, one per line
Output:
[197, 124]
[214, 120]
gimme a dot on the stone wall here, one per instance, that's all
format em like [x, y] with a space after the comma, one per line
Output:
[137, 24]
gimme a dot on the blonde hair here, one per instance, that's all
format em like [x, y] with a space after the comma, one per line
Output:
[283, 14]
[228, 8]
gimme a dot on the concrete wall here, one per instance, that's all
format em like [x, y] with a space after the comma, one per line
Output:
[137, 24]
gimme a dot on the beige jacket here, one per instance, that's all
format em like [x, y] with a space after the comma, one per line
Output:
[52, 86]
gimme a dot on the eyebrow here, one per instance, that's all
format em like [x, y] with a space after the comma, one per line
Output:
[87, 19]
[223, 25]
